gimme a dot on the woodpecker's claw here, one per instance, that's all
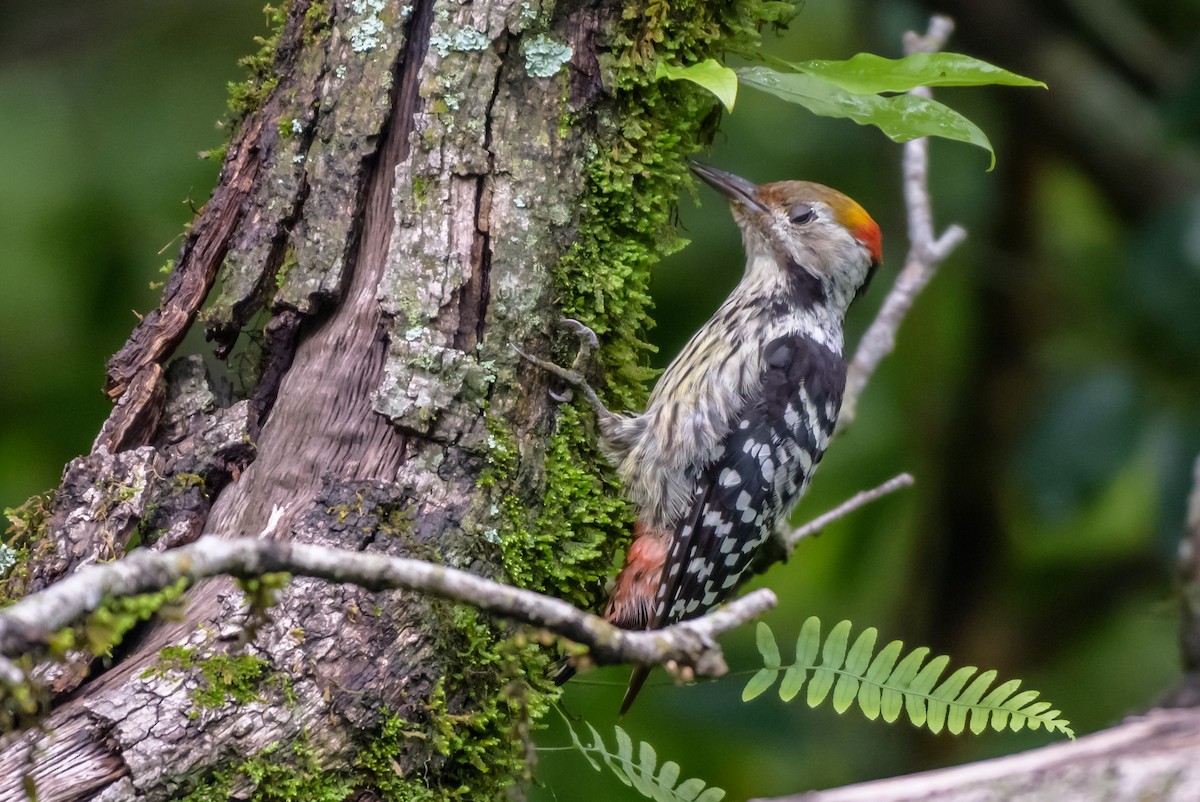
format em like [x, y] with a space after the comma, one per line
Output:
[569, 376]
[588, 342]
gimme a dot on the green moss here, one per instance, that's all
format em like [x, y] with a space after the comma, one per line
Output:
[286, 264]
[316, 20]
[376, 513]
[277, 775]
[420, 193]
[376, 761]
[474, 722]
[476, 748]
[114, 493]
[104, 628]
[300, 779]
[248, 95]
[183, 482]
[263, 591]
[566, 550]
[564, 537]
[24, 538]
[24, 704]
[222, 677]
[639, 170]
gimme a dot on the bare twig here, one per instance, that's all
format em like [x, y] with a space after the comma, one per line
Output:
[860, 499]
[25, 625]
[925, 250]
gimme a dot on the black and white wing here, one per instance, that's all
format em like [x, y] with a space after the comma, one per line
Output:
[762, 470]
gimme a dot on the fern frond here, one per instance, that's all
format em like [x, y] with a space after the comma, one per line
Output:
[886, 684]
[642, 773]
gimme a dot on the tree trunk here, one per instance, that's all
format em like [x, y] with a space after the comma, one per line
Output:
[410, 190]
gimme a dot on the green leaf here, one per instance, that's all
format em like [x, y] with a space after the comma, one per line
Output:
[668, 775]
[860, 653]
[1033, 712]
[767, 647]
[818, 687]
[891, 702]
[868, 700]
[844, 693]
[946, 695]
[688, 790]
[887, 684]
[884, 662]
[900, 117]
[970, 700]
[793, 681]
[834, 653]
[927, 677]
[867, 73]
[619, 764]
[808, 645]
[762, 681]
[709, 74]
[906, 672]
[1000, 693]
[596, 744]
[643, 777]
[624, 746]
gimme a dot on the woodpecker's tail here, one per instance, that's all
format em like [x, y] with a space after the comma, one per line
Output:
[631, 604]
[636, 680]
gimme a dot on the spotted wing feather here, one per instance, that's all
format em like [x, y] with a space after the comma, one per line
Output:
[762, 470]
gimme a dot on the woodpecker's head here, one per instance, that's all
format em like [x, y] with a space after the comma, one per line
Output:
[801, 234]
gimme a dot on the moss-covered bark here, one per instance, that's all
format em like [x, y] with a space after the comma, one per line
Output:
[410, 190]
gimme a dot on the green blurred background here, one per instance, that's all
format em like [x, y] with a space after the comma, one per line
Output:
[1045, 391]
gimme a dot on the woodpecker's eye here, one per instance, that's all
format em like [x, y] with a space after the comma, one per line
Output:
[801, 213]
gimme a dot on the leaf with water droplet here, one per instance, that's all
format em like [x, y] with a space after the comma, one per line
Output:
[900, 117]
[710, 74]
[867, 73]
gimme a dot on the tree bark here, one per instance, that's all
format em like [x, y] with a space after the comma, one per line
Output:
[412, 189]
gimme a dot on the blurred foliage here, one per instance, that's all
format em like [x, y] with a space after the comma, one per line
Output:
[106, 107]
[1045, 392]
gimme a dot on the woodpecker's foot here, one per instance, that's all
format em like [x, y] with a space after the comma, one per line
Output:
[588, 342]
[573, 376]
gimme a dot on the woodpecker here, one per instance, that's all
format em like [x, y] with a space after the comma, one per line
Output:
[739, 420]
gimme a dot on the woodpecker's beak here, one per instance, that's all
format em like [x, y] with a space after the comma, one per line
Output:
[735, 188]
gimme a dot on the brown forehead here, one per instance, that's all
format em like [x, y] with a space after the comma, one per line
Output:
[786, 193]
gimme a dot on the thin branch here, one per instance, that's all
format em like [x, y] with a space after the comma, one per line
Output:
[860, 499]
[925, 253]
[25, 625]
